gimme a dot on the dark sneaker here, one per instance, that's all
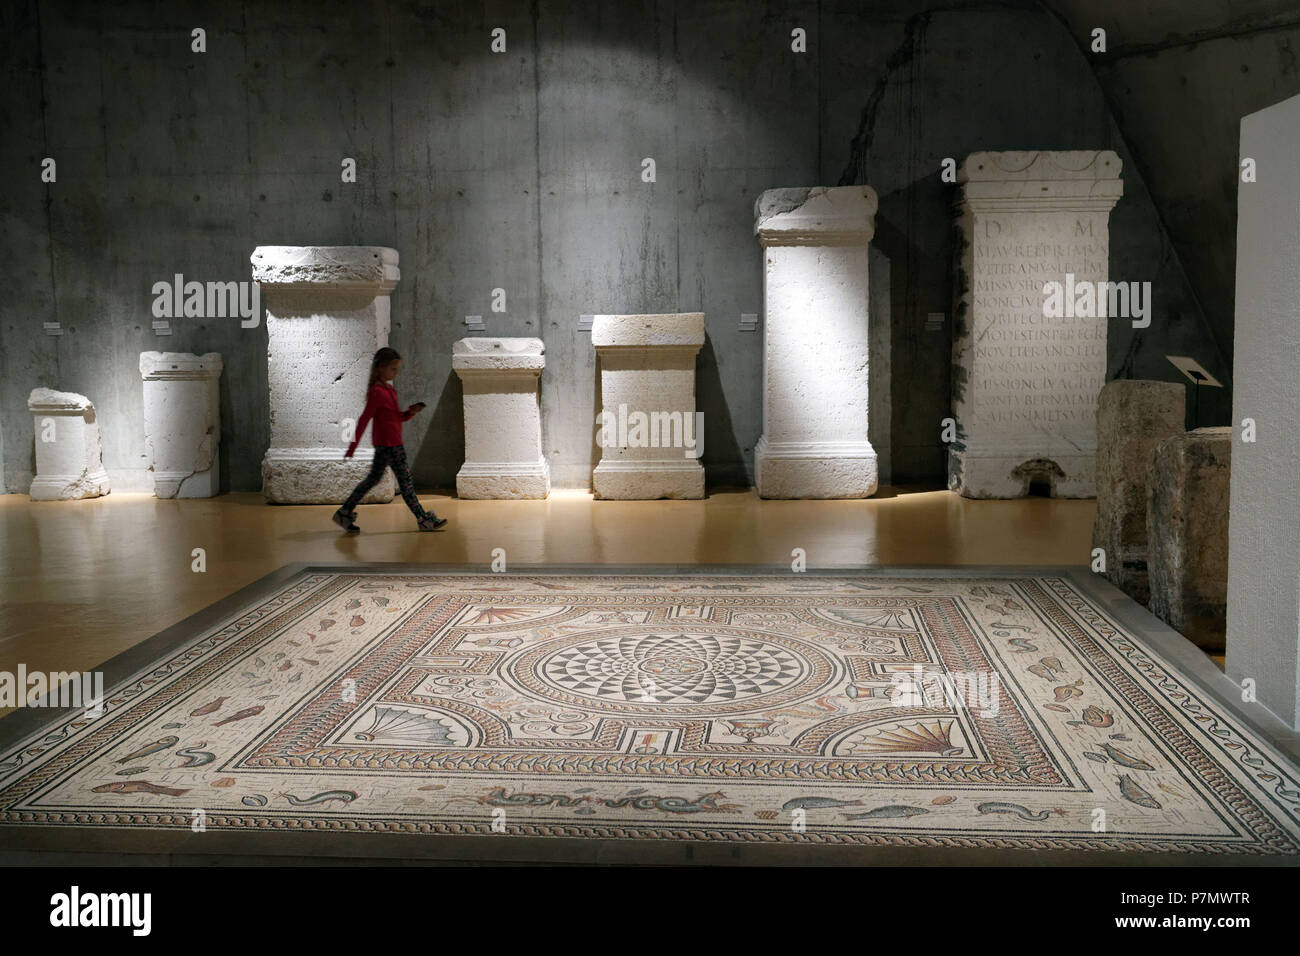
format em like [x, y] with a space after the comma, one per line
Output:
[345, 521]
[431, 523]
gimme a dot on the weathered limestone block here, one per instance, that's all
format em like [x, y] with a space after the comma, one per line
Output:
[69, 463]
[1024, 384]
[815, 343]
[1264, 560]
[182, 422]
[327, 312]
[503, 420]
[1187, 527]
[647, 428]
[1132, 415]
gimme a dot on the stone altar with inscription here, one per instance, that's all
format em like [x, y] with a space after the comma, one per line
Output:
[1025, 384]
[327, 312]
[815, 343]
[647, 430]
[182, 422]
[69, 462]
[503, 421]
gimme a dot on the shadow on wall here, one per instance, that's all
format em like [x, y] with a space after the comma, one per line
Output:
[442, 443]
[725, 463]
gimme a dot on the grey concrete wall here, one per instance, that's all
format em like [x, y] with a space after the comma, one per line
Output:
[1178, 75]
[517, 171]
[1263, 639]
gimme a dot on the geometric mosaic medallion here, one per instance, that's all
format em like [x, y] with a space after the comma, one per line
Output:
[824, 709]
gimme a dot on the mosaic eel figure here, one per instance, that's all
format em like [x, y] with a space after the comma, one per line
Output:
[1015, 809]
[704, 802]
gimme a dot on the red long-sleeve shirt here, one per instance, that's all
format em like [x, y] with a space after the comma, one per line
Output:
[381, 405]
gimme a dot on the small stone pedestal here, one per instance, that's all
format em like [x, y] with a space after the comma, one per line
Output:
[1024, 388]
[1132, 416]
[182, 422]
[815, 343]
[1187, 527]
[647, 426]
[503, 421]
[69, 463]
[327, 312]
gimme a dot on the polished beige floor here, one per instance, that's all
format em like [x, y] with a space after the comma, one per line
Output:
[84, 580]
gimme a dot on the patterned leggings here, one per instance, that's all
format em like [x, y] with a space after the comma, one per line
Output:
[394, 457]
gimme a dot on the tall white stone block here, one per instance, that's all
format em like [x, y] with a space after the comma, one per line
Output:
[327, 312]
[1263, 635]
[647, 387]
[69, 463]
[503, 420]
[815, 343]
[182, 422]
[1024, 385]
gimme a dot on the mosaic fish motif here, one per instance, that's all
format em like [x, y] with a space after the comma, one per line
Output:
[163, 743]
[891, 811]
[138, 786]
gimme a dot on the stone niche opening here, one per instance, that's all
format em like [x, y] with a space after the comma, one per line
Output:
[1038, 477]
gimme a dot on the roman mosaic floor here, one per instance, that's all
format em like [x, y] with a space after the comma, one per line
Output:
[1006, 710]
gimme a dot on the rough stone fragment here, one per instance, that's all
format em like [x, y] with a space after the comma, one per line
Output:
[327, 312]
[816, 346]
[1187, 528]
[1024, 384]
[182, 422]
[503, 422]
[69, 461]
[647, 428]
[1132, 415]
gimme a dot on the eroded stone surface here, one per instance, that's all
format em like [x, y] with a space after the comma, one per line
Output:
[1187, 531]
[182, 422]
[327, 312]
[1132, 416]
[69, 460]
[503, 423]
[1024, 385]
[647, 368]
[816, 348]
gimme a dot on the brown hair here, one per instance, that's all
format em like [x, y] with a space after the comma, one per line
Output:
[382, 358]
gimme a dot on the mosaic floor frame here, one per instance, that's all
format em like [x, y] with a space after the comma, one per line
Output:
[975, 715]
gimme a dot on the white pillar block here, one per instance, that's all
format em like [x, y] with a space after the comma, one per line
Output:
[327, 312]
[648, 433]
[503, 420]
[1264, 513]
[182, 422]
[1025, 386]
[815, 343]
[69, 463]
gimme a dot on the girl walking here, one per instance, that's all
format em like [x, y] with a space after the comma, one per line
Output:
[381, 405]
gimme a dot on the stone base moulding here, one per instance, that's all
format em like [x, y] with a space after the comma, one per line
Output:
[816, 248]
[503, 424]
[647, 366]
[1025, 380]
[327, 312]
[69, 460]
[815, 469]
[182, 422]
[293, 477]
[998, 473]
